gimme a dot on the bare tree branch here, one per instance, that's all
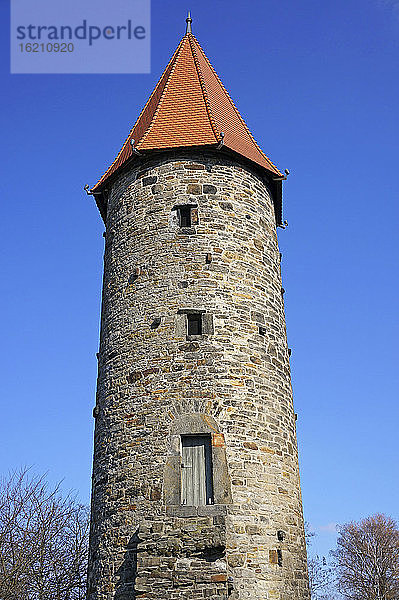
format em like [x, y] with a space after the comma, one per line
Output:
[320, 572]
[43, 541]
[367, 559]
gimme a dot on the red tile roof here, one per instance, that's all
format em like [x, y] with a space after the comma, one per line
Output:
[189, 107]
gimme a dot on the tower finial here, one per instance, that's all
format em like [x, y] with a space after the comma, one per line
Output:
[188, 21]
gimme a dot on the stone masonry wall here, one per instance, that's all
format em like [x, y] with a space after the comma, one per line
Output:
[155, 384]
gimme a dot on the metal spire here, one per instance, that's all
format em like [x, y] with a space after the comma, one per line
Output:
[188, 21]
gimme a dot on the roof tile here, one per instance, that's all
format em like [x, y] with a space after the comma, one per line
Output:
[189, 107]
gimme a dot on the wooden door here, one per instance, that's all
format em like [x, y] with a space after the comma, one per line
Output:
[196, 470]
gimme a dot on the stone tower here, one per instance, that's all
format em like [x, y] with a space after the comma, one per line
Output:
[196, 491]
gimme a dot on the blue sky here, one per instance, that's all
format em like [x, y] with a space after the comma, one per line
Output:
[317, 83]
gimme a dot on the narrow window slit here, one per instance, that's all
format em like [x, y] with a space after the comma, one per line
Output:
[184, 213]
[194, 324]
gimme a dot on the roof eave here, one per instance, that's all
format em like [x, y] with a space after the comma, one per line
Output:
[274, 181]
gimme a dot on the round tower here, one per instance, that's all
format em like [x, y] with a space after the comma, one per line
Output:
[196, 489]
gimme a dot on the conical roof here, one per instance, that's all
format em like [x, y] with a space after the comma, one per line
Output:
[189, 107]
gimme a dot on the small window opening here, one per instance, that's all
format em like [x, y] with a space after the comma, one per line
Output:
[279, 558]
[196, 469]
[155, 323]
[184, 213]
[262, 330]
[134, 275]
[194, 324]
